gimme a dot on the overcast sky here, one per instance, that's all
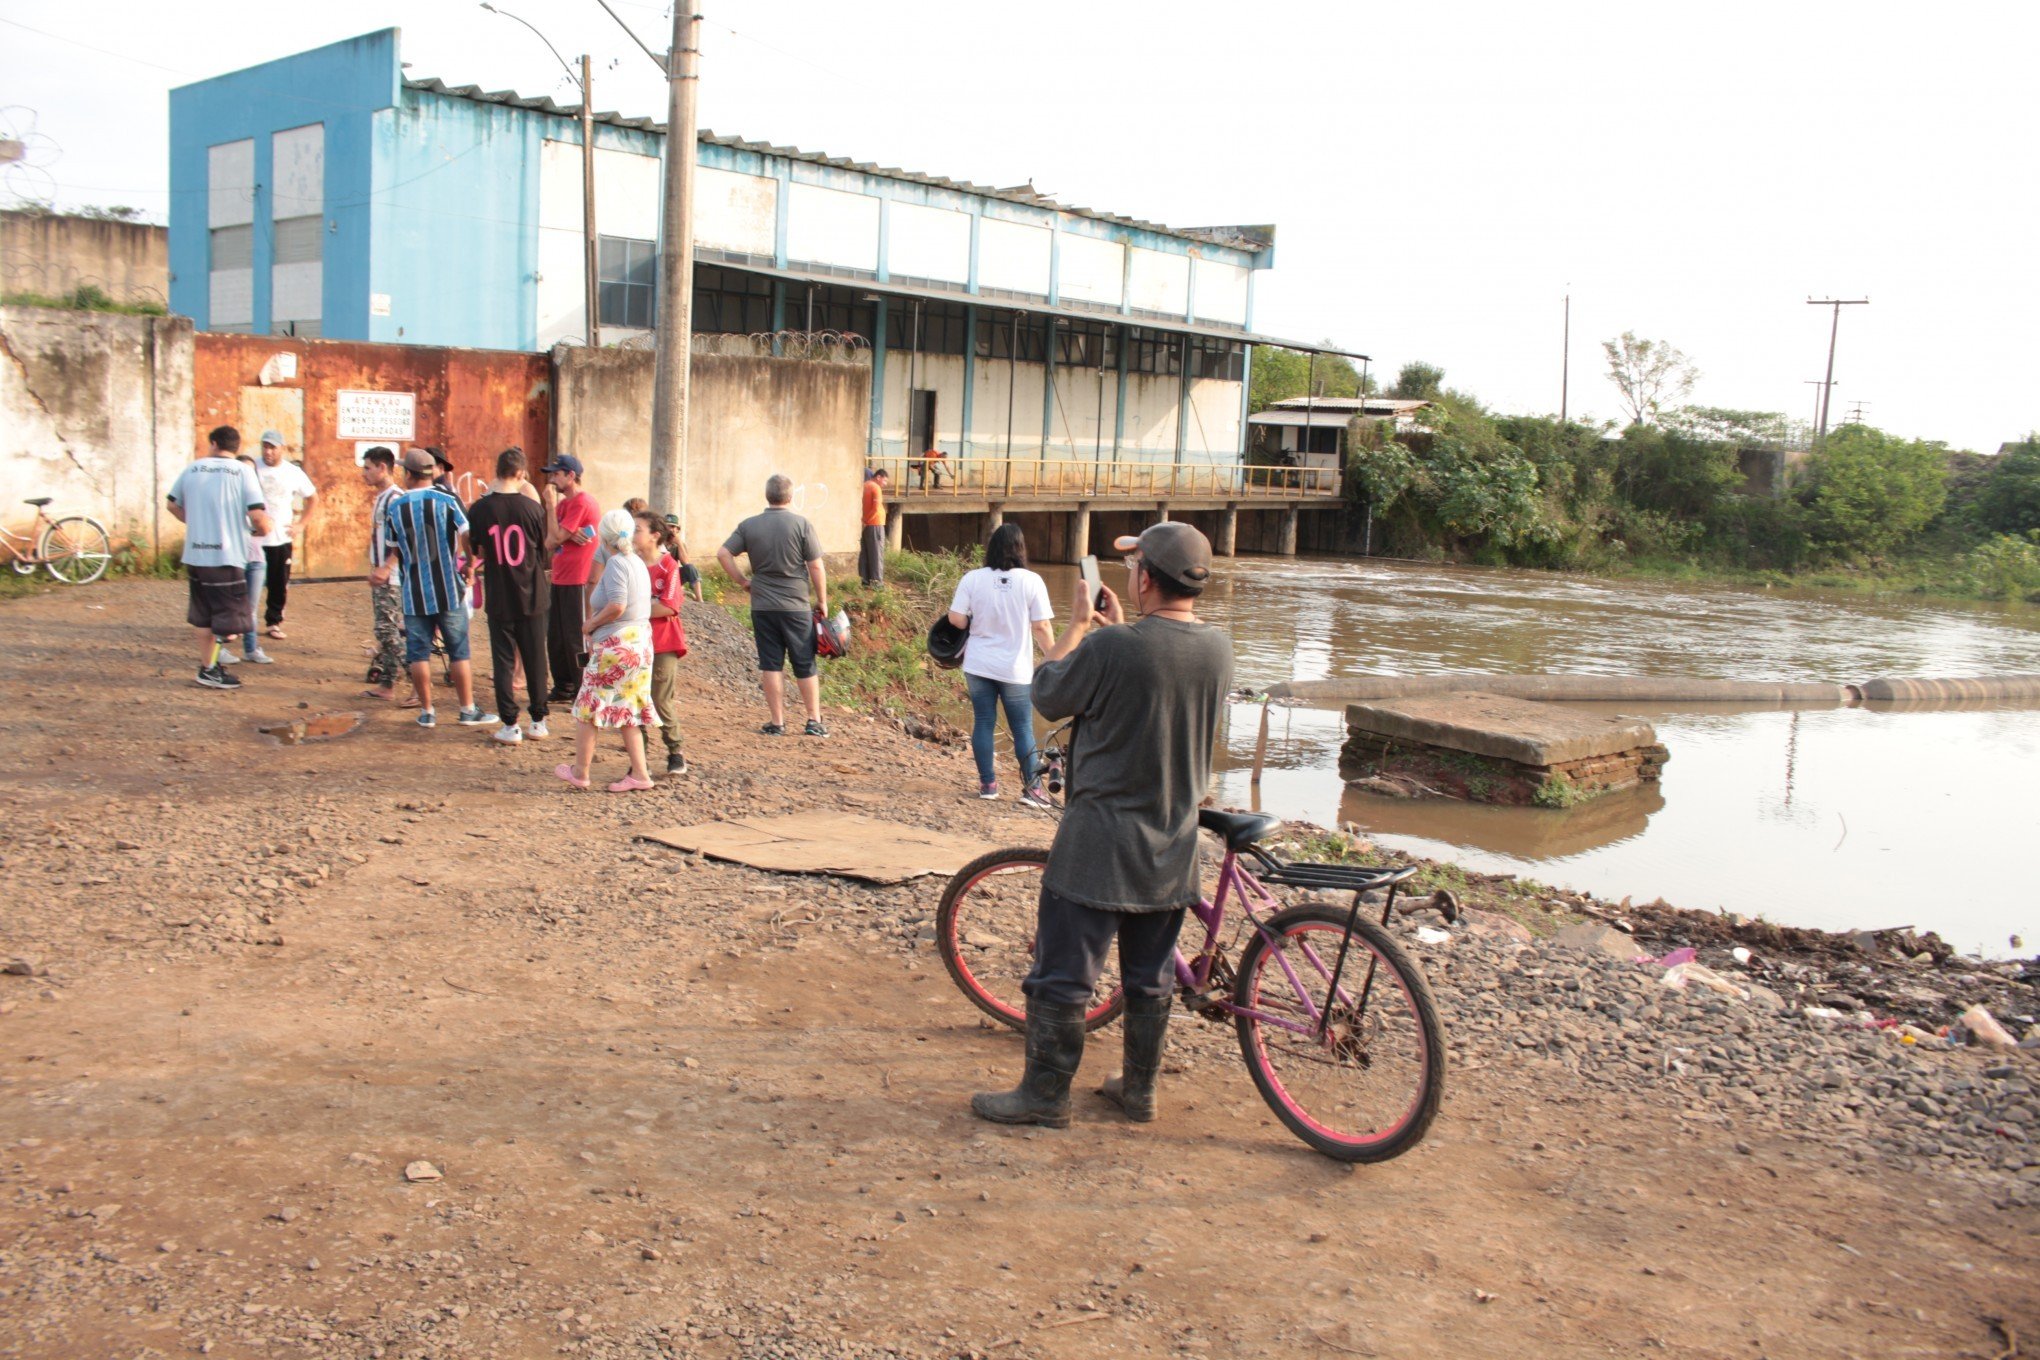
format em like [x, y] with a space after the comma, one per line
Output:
[1441, 174]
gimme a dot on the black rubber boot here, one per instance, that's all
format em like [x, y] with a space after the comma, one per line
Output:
[1055, 1045]
[1147, 1023]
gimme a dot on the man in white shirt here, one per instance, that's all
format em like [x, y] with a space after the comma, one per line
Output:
[283, 482]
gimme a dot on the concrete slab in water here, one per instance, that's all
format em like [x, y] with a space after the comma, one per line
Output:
[1519, 730]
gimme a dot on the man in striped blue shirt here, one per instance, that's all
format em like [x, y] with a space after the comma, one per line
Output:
[426, 528]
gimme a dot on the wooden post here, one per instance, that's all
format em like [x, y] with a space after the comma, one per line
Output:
[1260, 746]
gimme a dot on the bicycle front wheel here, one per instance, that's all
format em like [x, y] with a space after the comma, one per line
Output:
[1357, 1075]
[984, 931]
[76, 550]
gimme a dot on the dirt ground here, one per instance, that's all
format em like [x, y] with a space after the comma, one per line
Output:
[681, 1108]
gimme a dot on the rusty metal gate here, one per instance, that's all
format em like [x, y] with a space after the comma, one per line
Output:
[331, 399]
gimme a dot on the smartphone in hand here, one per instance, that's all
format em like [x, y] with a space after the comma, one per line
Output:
[1092, 582]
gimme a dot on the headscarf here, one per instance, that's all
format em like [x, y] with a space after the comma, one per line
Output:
[616, 528]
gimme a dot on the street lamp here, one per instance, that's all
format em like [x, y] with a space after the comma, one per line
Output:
[590, 276]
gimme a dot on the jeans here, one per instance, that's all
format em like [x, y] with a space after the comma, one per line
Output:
[452, 627]
[985, 698]
[250, 643]
[1072, 940]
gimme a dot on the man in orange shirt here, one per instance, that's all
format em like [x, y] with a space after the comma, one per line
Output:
[871, 548]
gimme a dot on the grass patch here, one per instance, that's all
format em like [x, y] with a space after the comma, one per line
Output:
[84, 298]
[1558, 792]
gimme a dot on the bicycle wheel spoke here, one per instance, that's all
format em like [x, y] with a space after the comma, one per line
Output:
[1356, 1074]
[985, 933]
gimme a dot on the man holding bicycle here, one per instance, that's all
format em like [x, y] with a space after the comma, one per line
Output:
[1146, 698]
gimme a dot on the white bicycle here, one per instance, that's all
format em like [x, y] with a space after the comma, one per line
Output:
[74, 548]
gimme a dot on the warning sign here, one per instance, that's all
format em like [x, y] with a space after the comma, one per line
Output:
[377, 415]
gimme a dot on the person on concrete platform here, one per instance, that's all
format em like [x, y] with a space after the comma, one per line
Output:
[571, 517]
[1148, 697]
[284, 484]
[427, 533]
[505, 528]
[218, 499]
[786, 558]
[871, 546]
[385, 598]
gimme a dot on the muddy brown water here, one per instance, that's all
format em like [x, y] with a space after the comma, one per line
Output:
[1836, 818]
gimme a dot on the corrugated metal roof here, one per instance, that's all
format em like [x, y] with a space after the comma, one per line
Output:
[1317, 420]
[1396, 405]
[1234, 238]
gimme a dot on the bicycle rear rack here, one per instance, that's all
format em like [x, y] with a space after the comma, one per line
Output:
[1356, 879]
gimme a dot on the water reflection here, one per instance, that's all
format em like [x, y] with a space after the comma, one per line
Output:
[1828, 817]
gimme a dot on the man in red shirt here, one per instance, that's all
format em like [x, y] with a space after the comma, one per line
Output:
[571, 516]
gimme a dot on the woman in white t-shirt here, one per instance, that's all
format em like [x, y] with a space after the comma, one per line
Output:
[1005, 606]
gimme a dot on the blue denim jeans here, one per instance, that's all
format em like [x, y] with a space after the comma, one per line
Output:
[250, 639]
[985, 698]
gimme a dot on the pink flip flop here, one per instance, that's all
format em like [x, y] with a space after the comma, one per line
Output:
[630, 784]
[566, 772]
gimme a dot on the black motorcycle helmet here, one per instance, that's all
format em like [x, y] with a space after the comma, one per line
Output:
[945, 642]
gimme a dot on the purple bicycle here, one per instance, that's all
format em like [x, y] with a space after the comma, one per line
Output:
[1335, 1022]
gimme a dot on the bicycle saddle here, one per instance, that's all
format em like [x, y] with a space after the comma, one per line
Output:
[38, 501]
[1240, 829]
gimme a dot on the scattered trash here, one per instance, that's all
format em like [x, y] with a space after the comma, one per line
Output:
[1700, 975]
[1742, 955]
[1986, 1030]
[1430, 935]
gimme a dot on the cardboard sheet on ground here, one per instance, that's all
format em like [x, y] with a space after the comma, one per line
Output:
[839, 843]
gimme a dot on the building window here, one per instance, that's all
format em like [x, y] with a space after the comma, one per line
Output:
[824, 307]
[230, 217]
[297, 206]
[731, 302]
[1222, 359]
[1155, 352]
[995, 339]
[945, 327]
[629, 281]
[1084, 344]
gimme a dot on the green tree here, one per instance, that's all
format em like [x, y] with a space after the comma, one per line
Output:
[1870, 491]
[2010, 500]
[1650, 373]
[1748, 429]
[1418, 381]
[1279, 374]
[1663, 470]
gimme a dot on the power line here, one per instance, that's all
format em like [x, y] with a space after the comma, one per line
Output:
[1828, 387]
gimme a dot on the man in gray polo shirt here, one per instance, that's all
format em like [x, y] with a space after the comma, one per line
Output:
[786, 558]
[1147, 697]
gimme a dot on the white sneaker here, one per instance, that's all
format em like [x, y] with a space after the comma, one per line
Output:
[509, 735]
[538, 731]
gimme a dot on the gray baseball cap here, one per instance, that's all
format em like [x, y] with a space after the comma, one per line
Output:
[1174, 550]
[272, 437]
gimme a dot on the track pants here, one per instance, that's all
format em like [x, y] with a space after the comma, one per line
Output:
[563, 634]
[278, 558]
[512, 635]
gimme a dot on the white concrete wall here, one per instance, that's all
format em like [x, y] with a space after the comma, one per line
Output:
[87, 418]
[1084, 410]
[806, 419]
[939, 373]
[1013, 256]
[988, 409]
[627, 201]
[1221, 292]
[831, 227]
[928, 243]
[1213, 430]
[734, 211]
[1091, 270]
[1159, 282]
[1151, 416]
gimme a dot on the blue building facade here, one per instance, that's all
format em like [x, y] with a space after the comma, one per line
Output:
[327, 194]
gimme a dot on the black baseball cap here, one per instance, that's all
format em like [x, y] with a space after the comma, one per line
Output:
[563, 462]
[439, 456]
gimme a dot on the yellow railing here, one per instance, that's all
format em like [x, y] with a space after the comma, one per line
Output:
[974, 478]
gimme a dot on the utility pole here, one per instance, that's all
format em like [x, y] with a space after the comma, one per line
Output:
[590, 257]
[1565, 363]
[1828, 387]
[676, 270]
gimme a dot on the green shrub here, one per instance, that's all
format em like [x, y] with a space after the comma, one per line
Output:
[2006, 567]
